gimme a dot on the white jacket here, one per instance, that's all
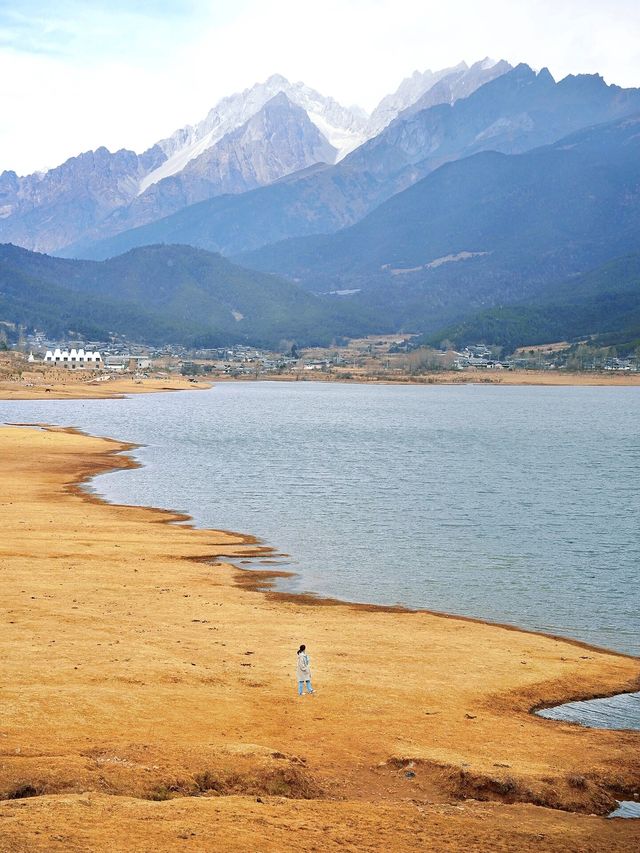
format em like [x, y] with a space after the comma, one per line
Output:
[303, 672]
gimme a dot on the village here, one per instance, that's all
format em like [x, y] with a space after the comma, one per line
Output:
[386, 358]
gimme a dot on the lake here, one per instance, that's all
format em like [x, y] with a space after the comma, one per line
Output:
[512, 504]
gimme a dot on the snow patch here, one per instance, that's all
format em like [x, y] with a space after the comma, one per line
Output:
[343, 140]
[177, 161]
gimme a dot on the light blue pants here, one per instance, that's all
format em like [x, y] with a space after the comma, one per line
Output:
[301, 685]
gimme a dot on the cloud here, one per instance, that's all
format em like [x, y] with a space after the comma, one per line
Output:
[74, 75]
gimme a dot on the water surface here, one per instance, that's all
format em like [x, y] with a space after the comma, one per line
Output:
[615, 712]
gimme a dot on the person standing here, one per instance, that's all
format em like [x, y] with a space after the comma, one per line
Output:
[303, 671]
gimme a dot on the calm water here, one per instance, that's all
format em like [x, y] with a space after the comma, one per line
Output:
[517, 505]
[616, 712]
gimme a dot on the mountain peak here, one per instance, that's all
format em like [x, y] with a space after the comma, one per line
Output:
[522, 70]
[275, 80]
[453, 84]
[595, 81]
[342, 128]
[545, 75]
[410, 90]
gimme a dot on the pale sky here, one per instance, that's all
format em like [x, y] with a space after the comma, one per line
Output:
[76, 74]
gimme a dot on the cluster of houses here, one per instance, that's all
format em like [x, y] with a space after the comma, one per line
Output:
[628, 364]
[478, 357]
[243, 360]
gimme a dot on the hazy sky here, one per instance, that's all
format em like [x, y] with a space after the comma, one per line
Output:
[76, 74]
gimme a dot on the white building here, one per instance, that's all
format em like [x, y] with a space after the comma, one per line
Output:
[131, 363]
[74, 359]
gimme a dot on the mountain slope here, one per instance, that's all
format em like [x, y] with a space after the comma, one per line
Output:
[487, 229]
[421, 91]
[603, 304]
[32, 296]
[277, 140]
[166, 294]
[516, 111]
[45, 211]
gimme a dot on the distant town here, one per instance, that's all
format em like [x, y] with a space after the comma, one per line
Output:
[377, 357]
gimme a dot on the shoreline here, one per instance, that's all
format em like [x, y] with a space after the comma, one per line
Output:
[487, 694]
[260, 580]
[121, 387]
[114, 389]
[263, 585]
[504, 378]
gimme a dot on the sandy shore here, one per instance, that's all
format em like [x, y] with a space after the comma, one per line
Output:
[78, 389]
[149, 703]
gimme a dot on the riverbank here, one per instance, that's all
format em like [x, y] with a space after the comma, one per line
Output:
[150, 698]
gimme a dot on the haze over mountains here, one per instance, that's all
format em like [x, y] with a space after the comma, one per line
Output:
[467, 188]
[486, 229]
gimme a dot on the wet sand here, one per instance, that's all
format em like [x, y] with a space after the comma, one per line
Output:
[149, 701]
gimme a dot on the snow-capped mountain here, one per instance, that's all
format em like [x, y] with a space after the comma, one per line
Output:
[429, 88]
[274, 142]
[408, 92]
[459, 83]
[344, 129]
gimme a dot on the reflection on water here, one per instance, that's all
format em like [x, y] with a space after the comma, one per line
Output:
[516, 505]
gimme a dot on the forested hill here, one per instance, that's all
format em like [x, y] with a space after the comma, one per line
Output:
[602, 306]
[166, 294]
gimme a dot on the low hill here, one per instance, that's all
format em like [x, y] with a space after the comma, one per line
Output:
[166, 294]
